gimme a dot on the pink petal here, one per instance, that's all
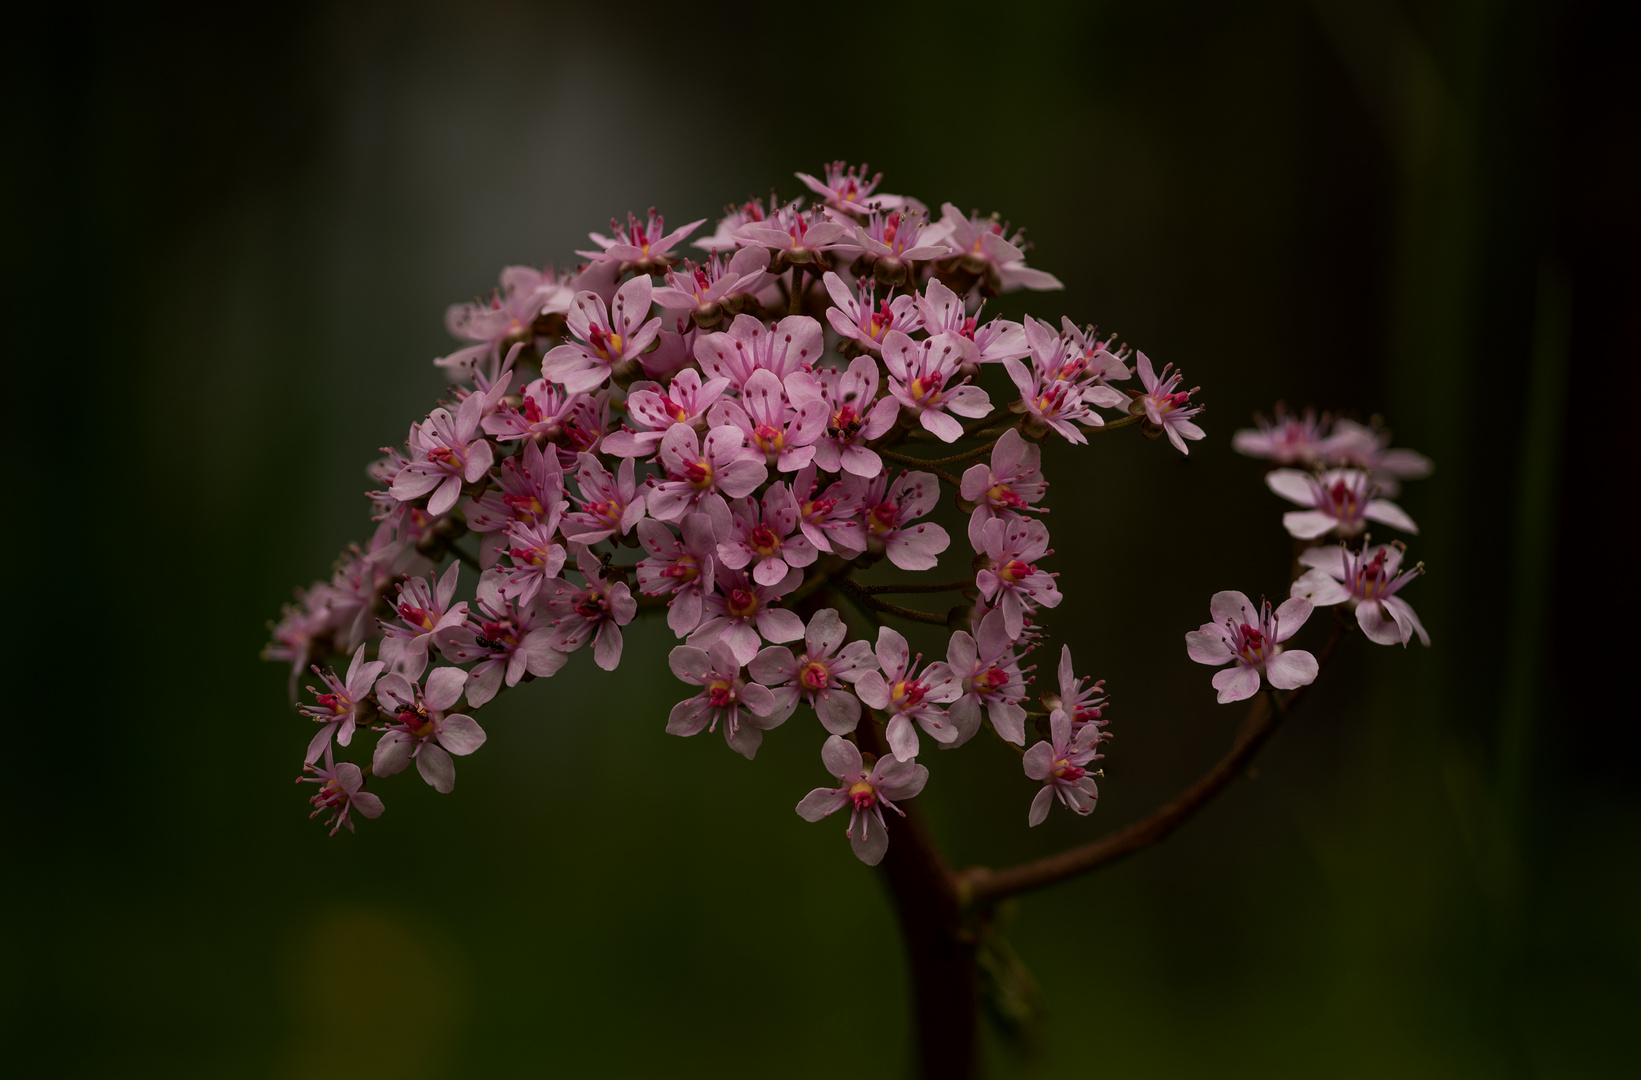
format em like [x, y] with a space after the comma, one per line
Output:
[461, 735]
[1236, 683]
[1291, 669]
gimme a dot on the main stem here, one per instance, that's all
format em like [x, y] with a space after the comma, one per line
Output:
[939, 951]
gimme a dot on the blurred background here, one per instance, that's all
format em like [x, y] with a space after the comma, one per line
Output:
[240, 232]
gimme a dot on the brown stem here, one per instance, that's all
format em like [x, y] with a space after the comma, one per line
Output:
[907, 459]
[908, 587]
[1115, 424]
[869, 602]
[979, 885]
[939, 951]
[795, 305]
[954, 459]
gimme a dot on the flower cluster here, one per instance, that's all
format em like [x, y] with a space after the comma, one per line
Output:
[730, 439]
[1347, 466]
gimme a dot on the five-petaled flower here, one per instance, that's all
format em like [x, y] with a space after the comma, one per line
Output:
[423, 728]
[1060, 763]
[867, 793]
[1250, 639]
[1366, 581]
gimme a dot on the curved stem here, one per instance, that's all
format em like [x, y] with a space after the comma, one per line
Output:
[869, 602]
[979, 885]
[1126, 421]
[954, 459]
[909, 587]
[907, 459]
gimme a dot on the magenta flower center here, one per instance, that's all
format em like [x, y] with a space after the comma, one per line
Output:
[592, 605]
[816, 510]
[685, 568]
[721, 694]
[990, 680]
[815, 676]
[845, 424]
[908, 694]
[741, 603]
[883, 518]
[926, 389]
[1252, 644]
[524, 505]
[605, 345]
[1015, 569]
[1065, 770]
[698, 474]
[1001, 495]
[497, 636]
[862, 795]
[764, 541]
[769, 438]
[416, 616]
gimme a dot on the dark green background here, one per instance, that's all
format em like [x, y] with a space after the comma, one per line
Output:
[229, 244]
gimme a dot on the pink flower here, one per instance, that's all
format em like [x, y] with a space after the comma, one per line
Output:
[531, 492]
[339, 792]
[642, 247]
[425, 729]
[702, 290]
[536, 559]
[741, 610]
[683, 568]
[296, 637]
[1369, 448]
[1007, 487]
[862, 319]
[548, 414]
[607, 341]
[781, 421]
[867, 794]
[1289, 440]
[819, 674]
[345, 706]
[1368, 583]
[507, 318]
[1059, 764]
[1166, 407]
[906, 697]
[594, 612]
[830, 519]
[989, 677]
[723, 238]
[792, 233]
[893, 240]
[793, 344]
[985, 251]
[701, 473]
[890, 513]
[853, 417]
[1011, 579]
[1340, 501]
[424, 607]
[765, 540]
[939, 311]
[1082, 701]
[685, 401]
[610, 506]
[847, 188]
[918, 373]
[746, 709]
[509, 641]
[447, 451]
[1061, 384]
[1252, 639]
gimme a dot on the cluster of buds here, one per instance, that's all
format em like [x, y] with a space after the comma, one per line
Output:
[728, 441]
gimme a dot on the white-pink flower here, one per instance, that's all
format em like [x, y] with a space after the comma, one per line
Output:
[741, 610]
[1011, 581]
[854, 415]
[703, 289]
[1340, 501]
[818, 676]
[830, 518]
[889, 513]
[1166, 407]
[340, 792]
[424, 606]
[989, 678]
[507, 640]
[643, 246]
[424, 729]
[781, 418]
[536, 558]
[1369, 448]
[908, 697]
[594, 612]
[1007, 487]
[939, 311]
[684, 401]
[793, 344]
[1060, 763]
[701, 472]
[791, 233]
[763, 537]
[1288, 440]
[746, 708]
[867, 793]
[848, 188]
[1250, 639]
[986, 251]
[919, 372]
[606, 340]
[860, 316]
[346, 706]
[447, 451]
[1367, 582]
[610, 505]
[681, 566]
